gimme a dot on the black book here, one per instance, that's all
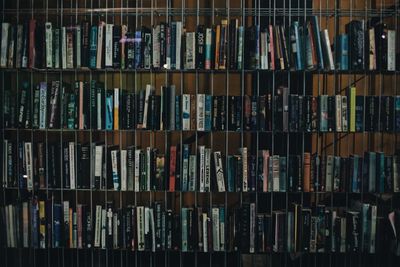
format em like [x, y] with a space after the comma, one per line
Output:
[84, 166]
[116, 46]
[215, 118]
[262, 112]
[247, 113]
[233, 43]
[140, 105]
[130, 50]
[356, 31]
[381, 46]
[222, 112]
[371, 113]
[200, 46]
[388, 174]
[331, 113]
[293, 113]
[353, 233]
[250, 48]
[54, 170]
[301, 113]
[93, 104]
[305, 229]
[163, 44]
[231, 113]
[387, 116]
[254, 113]
[40, 46]
[278, 112]
[244, 232]
[85, 43]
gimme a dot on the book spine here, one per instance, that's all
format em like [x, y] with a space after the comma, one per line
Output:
[109, 46]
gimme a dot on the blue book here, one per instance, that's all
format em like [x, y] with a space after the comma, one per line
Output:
[342, 52]
[35, 224]
[138, 49]
[178, 112]
[397, 113]
[207, 113]
[323, 113]
[282, 174]
[315, 26]
[222, 221]
[93, 47]
[109, 112]
[173, 45]
[185, 168]
[231, 173]
[57, 217]
[359, 113]
[298, 51]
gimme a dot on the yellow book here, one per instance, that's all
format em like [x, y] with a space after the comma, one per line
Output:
[352, 95]
[116, 108]
[42, 227]
[217, 46]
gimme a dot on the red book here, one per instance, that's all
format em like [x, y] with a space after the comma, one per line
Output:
[172, 168]
[271, 46]
[32, 50]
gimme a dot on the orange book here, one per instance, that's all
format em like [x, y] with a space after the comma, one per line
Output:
[172, 168]
[307, 172]
[217, 46]
[70, 228]
[265, 154]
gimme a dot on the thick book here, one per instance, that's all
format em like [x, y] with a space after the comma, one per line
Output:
[356, 31]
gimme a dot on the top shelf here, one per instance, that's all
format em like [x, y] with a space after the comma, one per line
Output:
[224, 12]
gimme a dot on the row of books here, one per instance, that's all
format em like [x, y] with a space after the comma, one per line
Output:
[223, 46]
[84, 166]
[87, 105]
[46, 224]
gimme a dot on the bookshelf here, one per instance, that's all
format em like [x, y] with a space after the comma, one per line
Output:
[332, 15]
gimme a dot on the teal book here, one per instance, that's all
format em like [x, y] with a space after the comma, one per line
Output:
[323, 113]
[354, 162]
[184, 224]
[231, 173]
[93, 47]
[282, 174]
[342, 52]
[380, 172]
[109, 111]
[397, 113]
[222, 228]
[317, 41]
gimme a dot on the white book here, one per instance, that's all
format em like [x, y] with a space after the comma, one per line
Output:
[150, 215]
[109, 45]
[98, 164]
[372, 50]
[64, 47]
[71, 150]
[78, 40]
[115, 230]
[49, 45]
[114, 166]
[192, 172]
[149, 90]
[25, 224]
[100, 36]
[345, 123]
[97, 228]
[156, 47]
[103, 227]
[202, 167]
[205, 232]
[116, 109]
[178, 44]
[245, 185]
[124, 166]
[219, 171]
[338, 117]
[137, 169]
[5, 30]
[215, 228]
[264, 51]
[140, 227]
[327, 44]
[373, 229]
[275, 173]
[43, 105]
[66, 213]
[391, 53]
[190, 60]
[201, 98]
[207, 171]
[186, 112]
[29, 165]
